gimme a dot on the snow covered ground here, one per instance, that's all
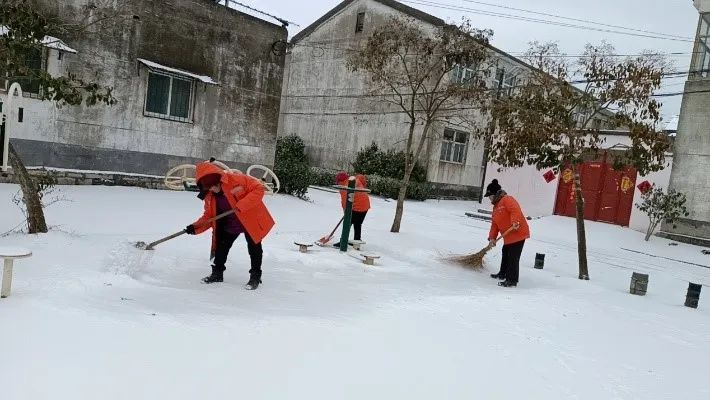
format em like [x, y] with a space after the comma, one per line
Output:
[91, 317]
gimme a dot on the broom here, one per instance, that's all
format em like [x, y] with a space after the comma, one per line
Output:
[475, 261]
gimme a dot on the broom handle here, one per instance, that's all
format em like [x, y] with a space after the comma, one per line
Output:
[511, 229]
[336, 228]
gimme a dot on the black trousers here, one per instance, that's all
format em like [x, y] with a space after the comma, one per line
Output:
[358, 219]
[510, 264]
[224, 244]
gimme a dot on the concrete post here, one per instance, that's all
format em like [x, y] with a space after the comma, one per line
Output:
[347, 220]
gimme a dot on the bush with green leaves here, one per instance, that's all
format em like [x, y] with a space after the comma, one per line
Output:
[291, 166]
[380, 186]
[322, 177]
[662, 207]
[372, 160]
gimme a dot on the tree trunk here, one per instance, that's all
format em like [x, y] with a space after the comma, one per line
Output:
[397, 223]
[581, 234]
[649, 231]
[35, 213]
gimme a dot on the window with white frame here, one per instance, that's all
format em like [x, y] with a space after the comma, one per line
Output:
[702, 57]
[454, 146]
[462, 75]
[505, 81]
[169, 97]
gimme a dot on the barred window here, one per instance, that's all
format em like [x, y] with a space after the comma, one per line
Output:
[169, 97]
[702, 57]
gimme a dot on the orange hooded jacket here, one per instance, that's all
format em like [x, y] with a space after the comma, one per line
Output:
[505, 213]
[244, 194]
[362, 199]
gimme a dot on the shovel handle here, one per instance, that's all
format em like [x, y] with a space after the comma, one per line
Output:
[182, 232]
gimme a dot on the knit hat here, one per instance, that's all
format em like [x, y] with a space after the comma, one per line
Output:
[209, 180]
[493, 188]
[341, 176]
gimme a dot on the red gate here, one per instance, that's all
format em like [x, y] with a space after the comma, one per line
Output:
[608, 194]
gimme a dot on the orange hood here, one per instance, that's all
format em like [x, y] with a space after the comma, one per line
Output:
[207, 168]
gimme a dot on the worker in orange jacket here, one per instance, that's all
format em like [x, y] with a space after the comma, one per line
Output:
[506, 215]
[223, 191]
[361, 203]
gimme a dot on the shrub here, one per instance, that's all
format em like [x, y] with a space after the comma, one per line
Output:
[389, 164]
[291, 166]
[662, 207]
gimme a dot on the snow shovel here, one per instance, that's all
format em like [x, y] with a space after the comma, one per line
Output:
[325, 239]
[151, 246]
[475, 261]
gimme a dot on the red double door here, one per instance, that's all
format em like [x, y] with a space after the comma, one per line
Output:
[608, 193]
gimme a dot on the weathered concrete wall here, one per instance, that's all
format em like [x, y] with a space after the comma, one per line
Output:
[703, 6]
[323, 103]
[72, 177]
[691, 164]
[236, 121]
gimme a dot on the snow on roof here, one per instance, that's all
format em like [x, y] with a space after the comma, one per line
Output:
[672, 125]
[57, 44]
[48, 41]
[154, 65]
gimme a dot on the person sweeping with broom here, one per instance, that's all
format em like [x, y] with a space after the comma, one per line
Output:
[223, 192]
[361, 201]
[509, 220]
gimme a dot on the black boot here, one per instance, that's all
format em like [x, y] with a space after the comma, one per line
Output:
[508, 284]
[498, 276]
[216, 276]
[254, 280]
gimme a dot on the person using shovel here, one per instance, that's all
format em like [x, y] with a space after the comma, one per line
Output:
[506, 215]
[361, 202]
[225, 191]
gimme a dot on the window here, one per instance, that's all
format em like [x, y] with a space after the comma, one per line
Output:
[360, 22]
[30, 83]
[454, 146]
[702, 57]
[169, 97]
[505, 81]
[462, 75]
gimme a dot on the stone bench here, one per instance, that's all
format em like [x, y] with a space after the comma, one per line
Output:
[369, 258]
[9, 254]
[303, 246]
[356, 244]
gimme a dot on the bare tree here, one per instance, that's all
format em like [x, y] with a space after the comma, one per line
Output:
[552, 119]
[428, 76]
[25, 29]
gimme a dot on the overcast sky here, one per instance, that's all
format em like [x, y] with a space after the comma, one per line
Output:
[676, 17]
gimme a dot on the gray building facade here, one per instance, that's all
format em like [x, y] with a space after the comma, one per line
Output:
[323, 101]
[691, 161]
[193, 79]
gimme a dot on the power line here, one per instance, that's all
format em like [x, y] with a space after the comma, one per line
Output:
[576, 19]
[537, 20]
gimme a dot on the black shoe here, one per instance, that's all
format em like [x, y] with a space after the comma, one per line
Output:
[216, 276]
[507, 284]
[497, 276]
[253, 283]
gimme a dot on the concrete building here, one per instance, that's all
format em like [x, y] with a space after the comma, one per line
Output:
[193, 79]
[323, 101]
[691, 165]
